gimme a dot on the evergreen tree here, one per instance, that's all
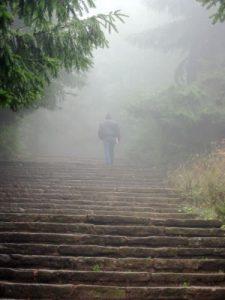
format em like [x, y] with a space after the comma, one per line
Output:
[189, 32]
[189, 116]
[39, 38]
[219, 16]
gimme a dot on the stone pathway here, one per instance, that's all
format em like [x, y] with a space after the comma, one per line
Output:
[84, 231]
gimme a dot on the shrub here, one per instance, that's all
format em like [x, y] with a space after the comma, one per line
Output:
[203, 181]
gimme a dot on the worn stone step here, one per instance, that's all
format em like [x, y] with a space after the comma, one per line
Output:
[107, 240]
[138, 208]
[107, 251]
[94, 198]
[74, 170]
[118, 232]
[117, 191]
[90, 182]
[75, 190]
[125, 205]
[128, 230]
[87, 177]
[81, 292]
[99, 211]
[89, 174]
[142, 202]
[77, 174]
[93, 195]
[118, 201]
[63, 258]
[108, 220]
[153, 215]
[65, 206]
[97, 184]
[48, 170]
[101, 277]
[157, 221]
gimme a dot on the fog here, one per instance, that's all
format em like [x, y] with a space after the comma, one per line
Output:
[122, 75]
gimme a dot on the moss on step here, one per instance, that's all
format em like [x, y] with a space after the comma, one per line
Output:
[108, 293]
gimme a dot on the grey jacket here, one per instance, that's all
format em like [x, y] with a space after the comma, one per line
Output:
[109, 131]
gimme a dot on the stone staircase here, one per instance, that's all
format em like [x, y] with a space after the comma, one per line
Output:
[85, 231]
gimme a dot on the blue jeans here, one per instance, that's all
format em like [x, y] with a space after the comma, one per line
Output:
[109, 152]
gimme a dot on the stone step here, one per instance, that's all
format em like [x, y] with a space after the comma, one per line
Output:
[109, 220]
[120, 191]
[103, 183]
[101, 277]
[138, 181]
[107, 240]
[154, 212]
[55, 169]
[14, 194]
[128, 230]
[95, 201]
[100, 212]
[68, 258]
[78, 199]
[87, 292]
[71, 172]
[166, 208]
[64, 169]
[83, 231]
[74, 173]
[90, 173]
[107, 251]
[139, 207]
[39, 180]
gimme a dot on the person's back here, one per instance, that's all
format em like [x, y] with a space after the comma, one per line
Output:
[109, 133]
[109, 130]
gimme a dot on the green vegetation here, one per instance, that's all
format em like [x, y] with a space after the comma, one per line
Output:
[39, 38]
[184, 122]
[188, 117]
[186, 284]
[180, 121]
[219, 16]
[9, 145]
[97, 268]
[203, 181]
[40, 42]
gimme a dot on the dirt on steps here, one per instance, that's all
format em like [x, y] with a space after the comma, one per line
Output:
[84, 231]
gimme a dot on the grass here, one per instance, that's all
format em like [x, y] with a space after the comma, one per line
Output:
[203, 181]
[97, 268]
[186, 284]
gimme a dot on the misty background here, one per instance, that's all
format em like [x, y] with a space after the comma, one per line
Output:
[120, 75]
[161, 78]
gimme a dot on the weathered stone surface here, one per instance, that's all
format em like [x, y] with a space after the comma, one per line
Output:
[64, 211]
[108, 240]
[119, 264]
[81, 231]
[81, 292]
[128, 230]
[93, 250]
[111, 278]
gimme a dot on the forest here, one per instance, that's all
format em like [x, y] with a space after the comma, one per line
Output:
[64, 64]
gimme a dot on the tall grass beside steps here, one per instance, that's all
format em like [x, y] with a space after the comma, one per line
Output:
[203, 181]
